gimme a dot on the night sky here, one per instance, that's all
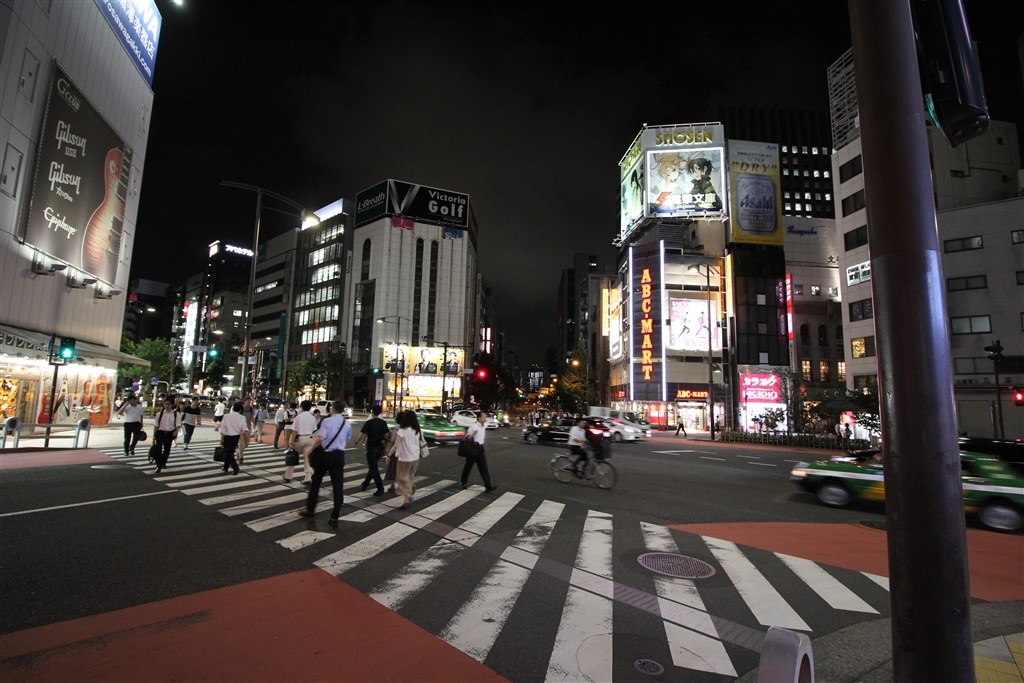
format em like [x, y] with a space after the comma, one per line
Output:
[526, 107]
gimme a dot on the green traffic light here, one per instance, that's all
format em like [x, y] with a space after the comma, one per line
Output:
[67, 348]
[212, 353]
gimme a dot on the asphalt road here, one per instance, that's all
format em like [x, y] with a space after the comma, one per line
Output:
[538, 580]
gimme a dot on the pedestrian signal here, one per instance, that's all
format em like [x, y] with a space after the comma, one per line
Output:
[67, 348]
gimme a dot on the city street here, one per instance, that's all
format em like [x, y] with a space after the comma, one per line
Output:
[675, 574]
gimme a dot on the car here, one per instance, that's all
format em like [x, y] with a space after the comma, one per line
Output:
[325, 408]
[556, 430]
[993, 485]
[622, 431]
[438, 430]
[466, 418]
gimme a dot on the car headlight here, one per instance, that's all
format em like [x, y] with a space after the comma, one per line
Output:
[799, 471]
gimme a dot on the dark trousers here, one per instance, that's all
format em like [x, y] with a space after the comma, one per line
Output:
[278, 428]
[680, 428]
[131, 436]
[188, 431]
[164, 439]
[373, 454]
[323, 462]
[480, 460]
[230, 445]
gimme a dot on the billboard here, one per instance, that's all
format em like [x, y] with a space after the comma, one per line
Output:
[136, 23]
[647, 359]
[418, 202]
[423, 360]
[79, 184]
[689, 326]
[684, 172]
[632, 188]
[755, 192]
[615, 323]
[760, 387]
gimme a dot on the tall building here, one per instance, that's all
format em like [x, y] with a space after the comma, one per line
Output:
[77, 78]
[980, 221]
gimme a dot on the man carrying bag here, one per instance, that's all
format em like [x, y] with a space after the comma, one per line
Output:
[328, 455]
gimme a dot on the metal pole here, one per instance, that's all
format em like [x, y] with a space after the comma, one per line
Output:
[252, 287]
[53, 397]
[930, 586]
[999, 398]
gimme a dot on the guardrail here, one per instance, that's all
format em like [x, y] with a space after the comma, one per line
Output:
[13, 426]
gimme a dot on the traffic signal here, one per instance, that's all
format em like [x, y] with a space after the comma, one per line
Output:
[375, 372]
[67, 348]
[481, 374]
[1018, 396]
[995, 351]
[212, 353]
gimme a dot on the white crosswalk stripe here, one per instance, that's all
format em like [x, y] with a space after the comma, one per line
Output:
[583, 645]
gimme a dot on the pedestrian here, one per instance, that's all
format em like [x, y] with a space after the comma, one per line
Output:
[300, 438]
[680, 427]
[218, 411]
[248, 411]
[165, 428]
[290, 414]
[406, 451]
[327, 454]
[477, 432]
[191, 417]
[261, 420]
[847, 433]
[231, 428]
[280, 417]
[375, 431]
[132, 411]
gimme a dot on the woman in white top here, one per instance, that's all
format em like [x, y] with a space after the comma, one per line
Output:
[406, 448]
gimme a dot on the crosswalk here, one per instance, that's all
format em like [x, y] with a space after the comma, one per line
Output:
[503, 593]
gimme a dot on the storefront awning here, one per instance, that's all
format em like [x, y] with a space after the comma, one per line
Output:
[17, 341]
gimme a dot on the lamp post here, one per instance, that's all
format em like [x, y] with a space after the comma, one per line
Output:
[995, 352]
[707, 268]
[399, 367]
[260, 192]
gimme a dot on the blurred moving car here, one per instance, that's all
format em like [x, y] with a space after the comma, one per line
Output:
[556, 430]
[993, 483]
[465, 418]
[439, 430]
[623, 431]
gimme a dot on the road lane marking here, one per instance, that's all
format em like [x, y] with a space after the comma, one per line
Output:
[88, 502]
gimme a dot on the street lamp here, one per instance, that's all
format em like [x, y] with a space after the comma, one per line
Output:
[995, 352]
[707, 269]
[398, 369]
[309, 219]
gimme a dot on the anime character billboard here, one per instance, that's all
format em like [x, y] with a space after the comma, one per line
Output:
[686, 183]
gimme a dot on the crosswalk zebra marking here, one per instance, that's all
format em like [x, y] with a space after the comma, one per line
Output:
[264, 505]
[882, 581]
[692, 637]
[242, 495]
[587, 613]
[824, 584]
[476, 625]
[304, 539]
[770, 608]
[234, 483]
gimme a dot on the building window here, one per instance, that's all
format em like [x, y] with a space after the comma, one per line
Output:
[979, 365]
[817, 173]
[785, 171]
[965, 244]
[803, 149]
[840, 371]
[364, 264]
[785, 194]
[814, 150]
[833, 291]
[799, 206]
[974, 324]
[828, 195]
[851, 168]
[815, 290]
[856, 238]
[1020, 277]
[788, 206]
[822, 335]
[1017, 236]
[805, 370]
[958, 284]
[762, 328]
[798, 290]
[762, 300]
[785, 148]
[862, 347]
[826, 174]
[865, 382]
[805, 336]
[854, 202]
[823, 371]
[861, 310]
[858, 274]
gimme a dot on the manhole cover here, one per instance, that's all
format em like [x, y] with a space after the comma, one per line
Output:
[649, 667]
[677, 566]
[110, 467]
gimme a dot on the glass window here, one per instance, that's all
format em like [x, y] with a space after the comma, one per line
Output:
[814, 150]
[817, 173]
[826, 174]
[805, 370]
[965, 244]
[1020, 277]
[823, 371]
[828, 196]
[841, 371]
[822, 335]
[851, 168]
[788, 206]
[956, 284]
[862, 347]
[803, 149]
[855, 238]
[1017, 236]
[833, 291]
[974, 324]
[762, 300]
[785, 148]
[785, 171]
[854, 202]
[815, 290]
[799, 206]
[807, 195]
[805, 335]
[798, 290]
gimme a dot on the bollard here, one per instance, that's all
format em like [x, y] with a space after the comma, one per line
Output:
[785, 656]
[11, 425]
[82, 425]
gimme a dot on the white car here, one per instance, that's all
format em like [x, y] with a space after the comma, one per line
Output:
[465, 418]
[624, 432]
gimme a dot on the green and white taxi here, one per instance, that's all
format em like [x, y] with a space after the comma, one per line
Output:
[993, 483]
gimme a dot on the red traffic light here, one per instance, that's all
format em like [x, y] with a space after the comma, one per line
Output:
[1018, 397]
[481, 373]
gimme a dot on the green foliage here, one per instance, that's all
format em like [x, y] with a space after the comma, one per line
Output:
[156, 351]
[214, 375]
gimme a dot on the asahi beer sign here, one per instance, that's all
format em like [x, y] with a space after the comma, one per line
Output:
[754, 186]
[80, 184]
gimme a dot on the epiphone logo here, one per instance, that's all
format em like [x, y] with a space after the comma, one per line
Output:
[68, 93]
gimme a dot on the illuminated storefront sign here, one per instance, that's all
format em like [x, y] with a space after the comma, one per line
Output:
[688, 326]
[647, 355]
[789, 305]
[755, 192]
[691, 393]
[760, 388]
[136, 23]
[684, 172]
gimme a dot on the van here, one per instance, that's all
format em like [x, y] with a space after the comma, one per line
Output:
[628, 417]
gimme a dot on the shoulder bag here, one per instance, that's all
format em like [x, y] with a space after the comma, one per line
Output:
[424, 448]
[467, 448]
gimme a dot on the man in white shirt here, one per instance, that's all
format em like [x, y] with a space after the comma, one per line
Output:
[166, 424]
[218, 411]
[578, 445]
[231, 428]
[280, 417]
[328, 455]
[477, 432]
[132, 411]
[301, 440]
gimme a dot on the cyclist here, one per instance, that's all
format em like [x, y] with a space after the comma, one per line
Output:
[578, 445]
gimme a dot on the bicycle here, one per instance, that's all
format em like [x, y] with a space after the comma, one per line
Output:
[598, 470]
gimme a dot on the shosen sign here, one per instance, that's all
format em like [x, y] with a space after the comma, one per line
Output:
[647, 354]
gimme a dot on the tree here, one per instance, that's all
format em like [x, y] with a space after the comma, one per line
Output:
[312, 373]
[213, 376]
[156, 351]
[338, 374]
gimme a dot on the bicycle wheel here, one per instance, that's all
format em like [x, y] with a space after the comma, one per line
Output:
[605, 474]
[561, 468]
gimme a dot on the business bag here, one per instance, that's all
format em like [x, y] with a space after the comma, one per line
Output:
[467, 448]
[143, 435]
[291, 458]
[218, 454]
[154, 452]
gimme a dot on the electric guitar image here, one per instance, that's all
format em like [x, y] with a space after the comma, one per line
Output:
[102, 242]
